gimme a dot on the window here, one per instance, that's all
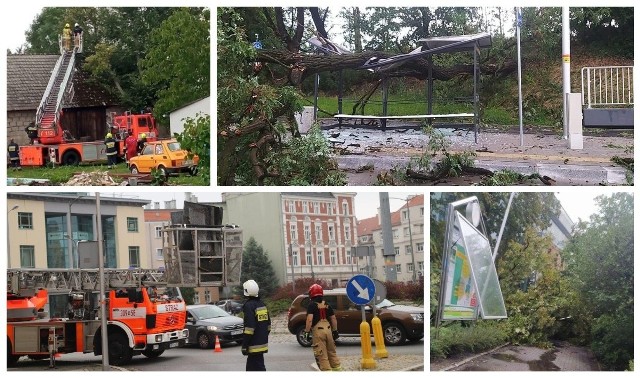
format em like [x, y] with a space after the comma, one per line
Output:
[407, 249]
[159, 255]
[316, 207]
[420, 247]
[320, 255]
[307, 232]
[305, 207]
[398, 268]
[318, 232]
[147, 150]
[207, 296]
[422, 211]
[292, 206]
[134, 257]
[25, 221]
[159, 149]
[420, 266]
[395, 234]
[334, 261]
[405, 215]
[330, 209]
[406, 231]
[293, 232]
[158, 232]
[347, 232]
[410, 267]
[396, 250]
[196, 297]
[345, 208]
[132, 224]
[421, 228]
[308, 257]
[332, 235]
[294, 256]
[348, 256]
[27, 256]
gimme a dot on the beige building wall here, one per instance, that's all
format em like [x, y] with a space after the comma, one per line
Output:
[126, 238]
[155, 244]
[36, 237]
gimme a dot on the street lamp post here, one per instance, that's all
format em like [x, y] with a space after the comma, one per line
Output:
[8, 243]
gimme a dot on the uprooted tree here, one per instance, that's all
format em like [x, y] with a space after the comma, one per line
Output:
[258, 93]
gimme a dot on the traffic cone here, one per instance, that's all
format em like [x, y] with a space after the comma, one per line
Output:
[217, 348]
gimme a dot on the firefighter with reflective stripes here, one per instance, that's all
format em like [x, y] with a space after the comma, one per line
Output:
[257, 326]
[322, 321]
[111, 150]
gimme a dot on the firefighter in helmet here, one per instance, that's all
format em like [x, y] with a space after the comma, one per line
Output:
[257, 326]
[322, 322]
[111, 150]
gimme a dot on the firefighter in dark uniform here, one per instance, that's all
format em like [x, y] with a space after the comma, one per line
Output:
[257, 326]
[14, 154]
[111, 151]
[32, 132]
[322, 322]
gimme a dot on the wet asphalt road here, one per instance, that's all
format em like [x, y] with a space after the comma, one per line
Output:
[561, 357]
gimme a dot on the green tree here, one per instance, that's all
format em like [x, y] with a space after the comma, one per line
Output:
[257, 266]
[196, 138]
[177, 62]
[600, 262]
[188, 294]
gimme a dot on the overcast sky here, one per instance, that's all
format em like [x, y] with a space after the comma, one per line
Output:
[366, 203]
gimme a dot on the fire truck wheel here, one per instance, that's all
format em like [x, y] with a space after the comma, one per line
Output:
[71, 157]
[119, 351]
[12, 359]
[203, 341]
[152, 353]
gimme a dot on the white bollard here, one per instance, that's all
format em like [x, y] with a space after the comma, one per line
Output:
[574, 113]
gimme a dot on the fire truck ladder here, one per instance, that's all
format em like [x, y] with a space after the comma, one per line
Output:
[24, 282]
[59, 92]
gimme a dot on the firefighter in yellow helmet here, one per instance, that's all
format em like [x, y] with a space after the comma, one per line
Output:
[66, 37]
[142, 142]
[322, 321]
[257, 326]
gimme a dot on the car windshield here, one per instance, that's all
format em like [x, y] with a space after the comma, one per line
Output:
[173, 146]
[208, 312]
[385, 303]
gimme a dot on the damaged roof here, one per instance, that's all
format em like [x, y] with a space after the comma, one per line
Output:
[28, 76]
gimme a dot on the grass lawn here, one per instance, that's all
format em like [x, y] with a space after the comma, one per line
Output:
[61, 174]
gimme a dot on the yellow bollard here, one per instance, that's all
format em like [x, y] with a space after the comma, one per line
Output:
[381, 351]
[367, 361]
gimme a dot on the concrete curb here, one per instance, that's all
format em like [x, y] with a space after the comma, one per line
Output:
[564, 174]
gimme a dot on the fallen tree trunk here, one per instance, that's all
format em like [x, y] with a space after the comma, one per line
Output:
[302, 66]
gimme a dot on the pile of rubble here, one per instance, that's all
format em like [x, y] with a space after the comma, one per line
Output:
[96, 178]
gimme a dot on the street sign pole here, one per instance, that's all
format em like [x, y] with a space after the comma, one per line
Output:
[361, 290]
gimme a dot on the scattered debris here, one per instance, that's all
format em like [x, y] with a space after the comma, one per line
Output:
[96, 178]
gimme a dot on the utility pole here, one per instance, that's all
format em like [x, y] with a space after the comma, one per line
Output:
[387, 238]
[8, 243]
[103, 307]
[413, 262]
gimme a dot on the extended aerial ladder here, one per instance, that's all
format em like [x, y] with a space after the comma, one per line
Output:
[59, 91]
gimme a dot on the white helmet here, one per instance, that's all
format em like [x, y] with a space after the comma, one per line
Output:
[250, 288]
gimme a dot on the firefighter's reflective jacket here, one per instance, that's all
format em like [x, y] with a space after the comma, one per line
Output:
[257, 326]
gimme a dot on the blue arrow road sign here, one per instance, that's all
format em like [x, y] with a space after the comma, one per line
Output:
[360, 289]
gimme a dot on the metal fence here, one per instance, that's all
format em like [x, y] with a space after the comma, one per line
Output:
[607, 86]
